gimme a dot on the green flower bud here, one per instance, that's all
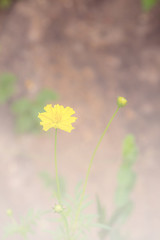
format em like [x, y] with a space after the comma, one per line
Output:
[9, 212]
[58, 208]
[121, 102]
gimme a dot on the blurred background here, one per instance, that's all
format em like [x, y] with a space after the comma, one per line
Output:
[81, 54]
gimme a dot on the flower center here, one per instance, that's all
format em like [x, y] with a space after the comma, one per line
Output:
[58, 118]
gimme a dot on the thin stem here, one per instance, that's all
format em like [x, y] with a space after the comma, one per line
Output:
[58, 187]
[90, 164]
[56, 168]
[66, 225]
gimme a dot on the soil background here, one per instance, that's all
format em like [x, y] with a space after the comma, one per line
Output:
[89, 53]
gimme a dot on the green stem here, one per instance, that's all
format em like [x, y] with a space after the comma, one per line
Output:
[90, 164]
[66, 225]
[58, 187]
[56, 168]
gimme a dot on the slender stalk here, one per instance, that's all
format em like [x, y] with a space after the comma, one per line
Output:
[66, 225]
[90, 165]
[56, 168]
[58, 187]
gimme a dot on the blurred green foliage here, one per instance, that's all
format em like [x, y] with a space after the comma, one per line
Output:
[7, 86]
[148, 4]
[125, 182]
[26, 110]
[24, 226]
[86, 221]
[5, 3]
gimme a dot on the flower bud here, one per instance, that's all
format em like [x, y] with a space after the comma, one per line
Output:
[9, 212]
[121, 102]
[58, 208]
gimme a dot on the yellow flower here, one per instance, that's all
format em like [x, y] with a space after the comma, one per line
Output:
[57, 117]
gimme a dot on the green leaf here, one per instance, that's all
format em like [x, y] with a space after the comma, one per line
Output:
[121, 197]
[7, 86]
[129, 150]
[126, 180]
[126, 177]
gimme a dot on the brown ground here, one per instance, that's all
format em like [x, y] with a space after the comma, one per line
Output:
[89, 54]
